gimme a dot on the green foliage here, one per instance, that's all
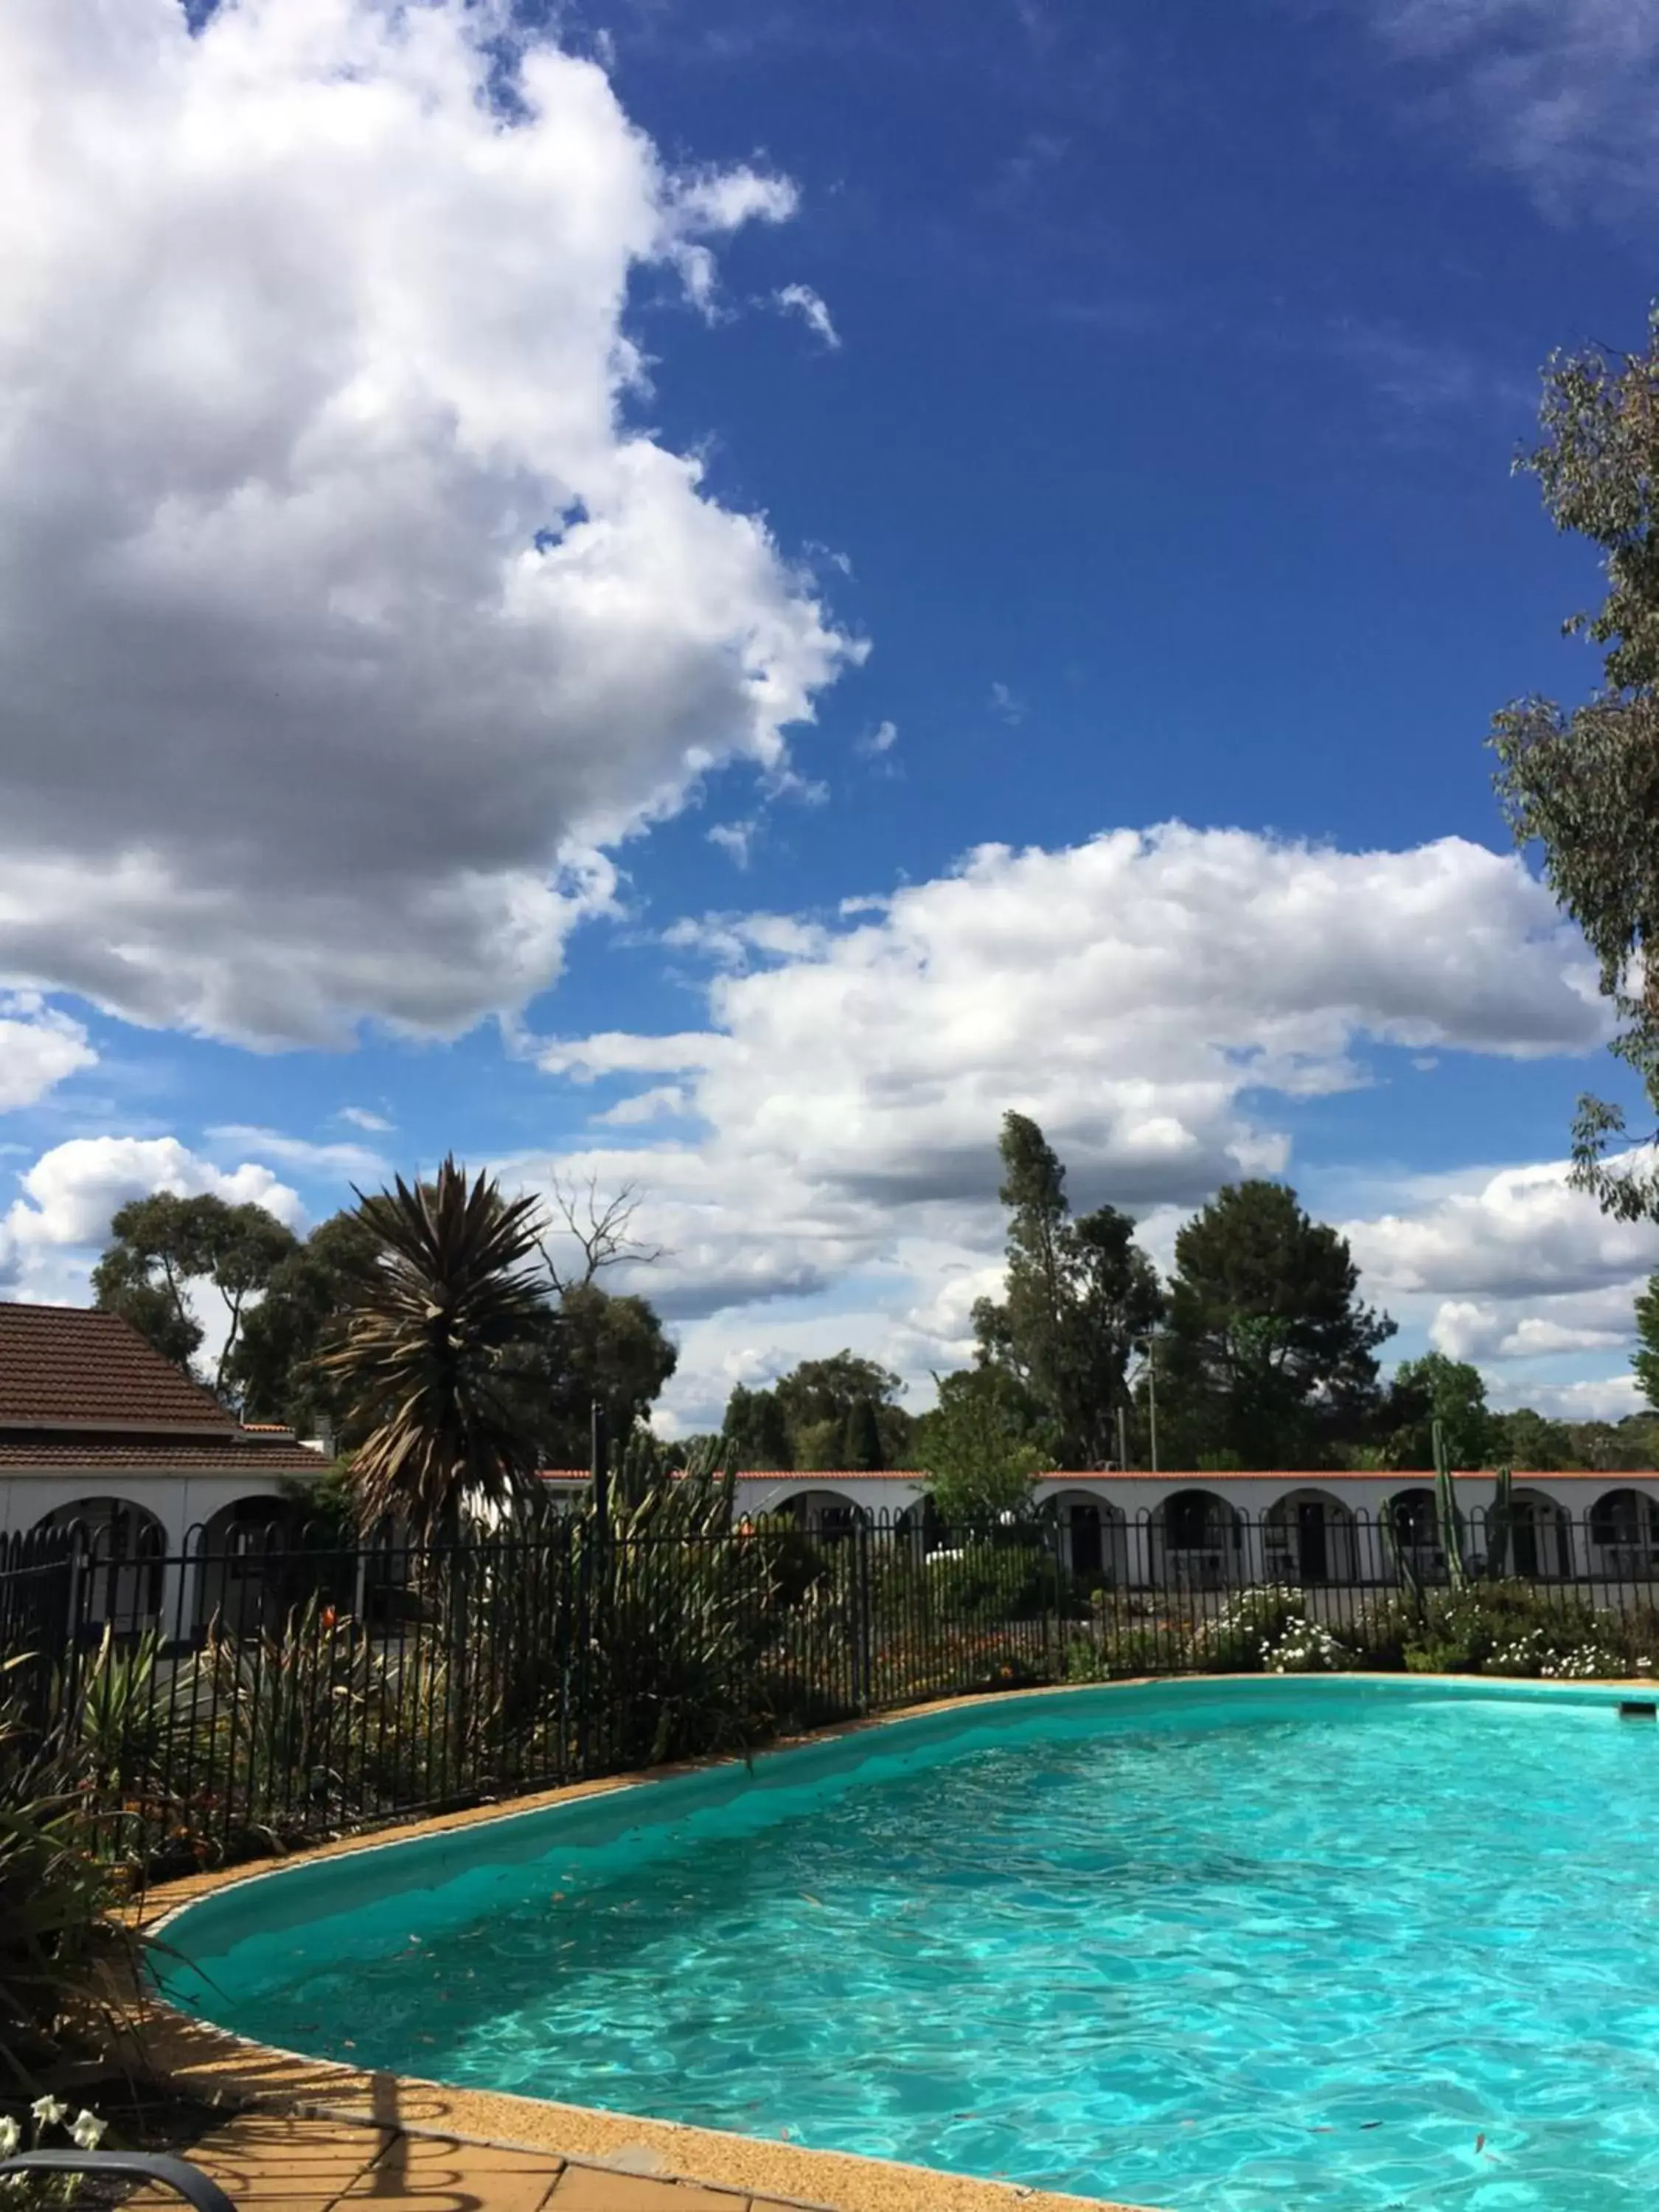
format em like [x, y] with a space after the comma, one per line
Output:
[823, 1393]
[1432, 1391]
[284, 1716]
[982, 1458]
[163, 1245]
[1119, 1651]
[1645, 1359]
[985, 1582]
[816, 1415]
[420, 1362]
[1230, 1643]
[276, 1368]
[1268, 1352]
[59, 1902]
[608, 1347]
[113, 1744]
[758, 1431]
[1515, 1628]
[682, 1604]
[861, 1452]
[1080, 1293]
[1585, 783]
[1531, 1444]
[1463, 1566]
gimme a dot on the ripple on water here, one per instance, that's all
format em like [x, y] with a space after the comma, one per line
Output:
[1369, 1956]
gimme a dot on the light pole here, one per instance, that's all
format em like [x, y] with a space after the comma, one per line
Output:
[1148, 1350]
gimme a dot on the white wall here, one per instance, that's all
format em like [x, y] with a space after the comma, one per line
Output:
[1134, 1536]
[179, 1502]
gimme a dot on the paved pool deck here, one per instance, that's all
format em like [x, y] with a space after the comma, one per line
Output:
[277, 2162]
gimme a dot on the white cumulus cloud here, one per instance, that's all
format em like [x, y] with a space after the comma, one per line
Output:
[1513, 1233]
[345, 616]
[71, 1193]
[1143, 996]
[39, 1047]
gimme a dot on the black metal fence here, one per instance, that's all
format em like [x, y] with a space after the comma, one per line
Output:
[286, 1684]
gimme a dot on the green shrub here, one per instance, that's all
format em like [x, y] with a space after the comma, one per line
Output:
[1379, 1631]
[60, 1900]
[1460, 1630]
[1523, 1629]
[988, 1581]
[1119, 1650]
[1252, 1623]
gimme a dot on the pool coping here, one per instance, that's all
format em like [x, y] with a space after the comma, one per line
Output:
[212, 2062]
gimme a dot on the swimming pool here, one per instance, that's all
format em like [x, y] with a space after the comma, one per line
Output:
[1336, 1945]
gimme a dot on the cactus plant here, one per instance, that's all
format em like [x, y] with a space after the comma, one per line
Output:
[1461, 1569]
[651, 1494]
[1451, 1531]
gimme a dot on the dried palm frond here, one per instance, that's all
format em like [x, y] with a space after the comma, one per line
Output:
[422, 1345]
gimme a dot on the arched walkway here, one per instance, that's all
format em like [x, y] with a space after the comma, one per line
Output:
[1623, 1537]
[1541, 1541]
[123, 1574]
[1309, 1535]
[1410, 1519]
[1093, 1534]
[1197, 1540]
[240, 1553]
[821, 1512]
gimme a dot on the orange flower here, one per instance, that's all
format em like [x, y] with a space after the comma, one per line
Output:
[327, 1616]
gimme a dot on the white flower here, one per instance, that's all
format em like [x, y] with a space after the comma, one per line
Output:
[10, 2135]
[88, 2131]
[49, 2113]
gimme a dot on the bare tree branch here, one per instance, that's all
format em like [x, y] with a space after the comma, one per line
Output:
[602, 1231]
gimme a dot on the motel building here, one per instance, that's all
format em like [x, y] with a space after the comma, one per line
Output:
[180, 1501]
[1209, 1531]
[177, 1499]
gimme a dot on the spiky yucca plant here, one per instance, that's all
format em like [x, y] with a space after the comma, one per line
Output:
[678, 1604]
[422, 1345]
[59, 1904]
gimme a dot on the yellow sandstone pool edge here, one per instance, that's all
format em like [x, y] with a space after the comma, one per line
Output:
[214, 2064]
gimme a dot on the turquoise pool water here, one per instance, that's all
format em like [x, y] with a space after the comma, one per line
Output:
[1245, 1947]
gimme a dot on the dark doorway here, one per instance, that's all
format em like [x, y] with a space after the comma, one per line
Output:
[1088, 1556]
[1312, 1543]
[1538, 1542]
[1524, 1535]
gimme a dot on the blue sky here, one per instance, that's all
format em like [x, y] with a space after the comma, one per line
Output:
[1002, 426]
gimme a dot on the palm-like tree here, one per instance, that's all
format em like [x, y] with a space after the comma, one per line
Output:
[422, 1345]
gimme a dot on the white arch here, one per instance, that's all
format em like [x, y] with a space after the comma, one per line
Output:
[1094, 1533]
[1196, 1539]
[237, 1556]
[1540, 1537]
[1411, 1536]
[1622, 1534]
[122, 1579]
[1309, 1537]
[817, 1507]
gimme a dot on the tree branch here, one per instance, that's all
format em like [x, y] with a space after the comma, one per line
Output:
[602, 1231]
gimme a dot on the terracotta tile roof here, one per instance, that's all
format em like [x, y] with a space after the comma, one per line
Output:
[71, 1365]
[234, 1454]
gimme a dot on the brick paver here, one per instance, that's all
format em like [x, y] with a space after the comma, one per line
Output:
[269, 2162]
[433, 2173]
[587, 2189]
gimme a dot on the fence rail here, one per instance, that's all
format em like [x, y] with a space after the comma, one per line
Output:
[286, 1684]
